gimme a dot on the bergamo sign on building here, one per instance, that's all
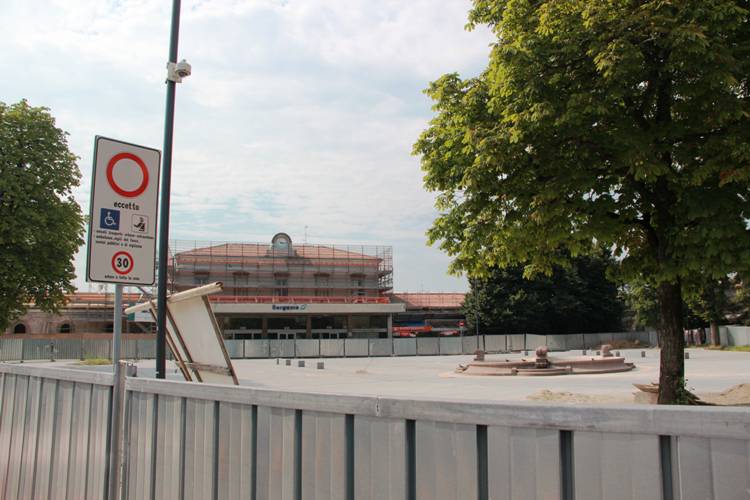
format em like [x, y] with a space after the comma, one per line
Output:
[122, 220]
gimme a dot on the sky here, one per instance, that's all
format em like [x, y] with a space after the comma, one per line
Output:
[299, 117]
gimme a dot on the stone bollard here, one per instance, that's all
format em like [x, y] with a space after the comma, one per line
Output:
[301, 363]
[320, 365]
[288, 362]
[687, 355]
[643, 354]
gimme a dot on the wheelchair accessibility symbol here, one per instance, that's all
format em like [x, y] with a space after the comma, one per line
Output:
[109, 219]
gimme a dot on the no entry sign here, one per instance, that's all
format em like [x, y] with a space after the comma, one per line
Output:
[122, 220]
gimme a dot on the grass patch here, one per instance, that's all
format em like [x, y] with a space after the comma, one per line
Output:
[95, 362]
[731, 348]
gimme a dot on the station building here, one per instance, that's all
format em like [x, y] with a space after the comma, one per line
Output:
[283, 290]
[276, 290]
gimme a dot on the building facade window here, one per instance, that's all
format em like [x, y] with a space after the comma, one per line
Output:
[322, 283]
[19, 328]
[65, 328]
[282, 287]
[357, 286]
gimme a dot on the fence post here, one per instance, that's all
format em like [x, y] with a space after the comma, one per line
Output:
[115, 438]
[80, 345]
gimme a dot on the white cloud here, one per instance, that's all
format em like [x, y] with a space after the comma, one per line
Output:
[299, 113]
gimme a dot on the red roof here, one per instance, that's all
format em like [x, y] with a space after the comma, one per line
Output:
[429, 300]
[245, 251]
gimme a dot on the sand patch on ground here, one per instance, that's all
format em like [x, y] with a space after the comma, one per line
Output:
[737, 395]
[573, 398]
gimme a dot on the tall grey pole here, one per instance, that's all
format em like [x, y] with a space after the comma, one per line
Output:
[114, 434]
[166, 178]
[117, 329]
[476, 326]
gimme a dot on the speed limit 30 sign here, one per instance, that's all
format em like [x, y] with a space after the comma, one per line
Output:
[122, 219]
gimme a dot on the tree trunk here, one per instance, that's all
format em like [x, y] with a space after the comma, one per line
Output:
[715, 333]
[672, 340]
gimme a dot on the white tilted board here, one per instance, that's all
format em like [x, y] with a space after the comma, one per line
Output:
[194, 337]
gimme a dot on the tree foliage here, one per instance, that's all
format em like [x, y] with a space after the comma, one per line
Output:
[41, 225]
[623, 124]
[577, 299]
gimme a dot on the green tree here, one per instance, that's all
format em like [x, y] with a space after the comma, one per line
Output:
[710, 301]
[41, 225]
[624, 123]
[577, 299]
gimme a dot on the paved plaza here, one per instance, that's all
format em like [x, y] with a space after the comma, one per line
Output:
[434, 377]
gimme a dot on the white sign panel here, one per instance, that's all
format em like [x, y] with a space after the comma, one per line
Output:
[122, 220]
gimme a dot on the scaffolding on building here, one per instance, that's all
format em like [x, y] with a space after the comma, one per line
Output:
[303, 272]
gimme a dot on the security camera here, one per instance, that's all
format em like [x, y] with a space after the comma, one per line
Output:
[177, 71]
[183, 68]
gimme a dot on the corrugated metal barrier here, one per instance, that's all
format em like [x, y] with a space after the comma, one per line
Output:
[14, 349]
[189, 440]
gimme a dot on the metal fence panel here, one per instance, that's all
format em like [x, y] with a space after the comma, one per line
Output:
[79, 441]
[100, 348]
[428, 346]
[379, 458]
[516, 342]
[730, 468]
[11, 349]
[308, 348]
[450, 345]
[236, 460]
[12, 477]
[323, 456]
[62, 426]
[282, 348]
[694, 468]
[199, 440]
[38, 349]
[235, 348]
[405, 347]
[66, 349]
[257, 348]
[277, 453]
[612, 466]
[574, 341]
[7, 399]
[356, 347]
[380, 347]
[139, 447]
[533, 341]
[169, 450]
[98, 442]
[332, 348]
[128, 349]
[469, 345]
[147, 349]
[495, 343]
[30, 437]
[46, 436]
[525, 463]
[557, 342]
[446, 461]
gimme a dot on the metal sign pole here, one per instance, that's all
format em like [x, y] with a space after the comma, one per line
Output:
[114, 435]
[161, 300]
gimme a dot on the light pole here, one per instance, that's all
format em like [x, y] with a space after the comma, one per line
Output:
[175, 73]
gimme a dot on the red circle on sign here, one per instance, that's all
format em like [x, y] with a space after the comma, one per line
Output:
[130, 267]
[111, 179]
